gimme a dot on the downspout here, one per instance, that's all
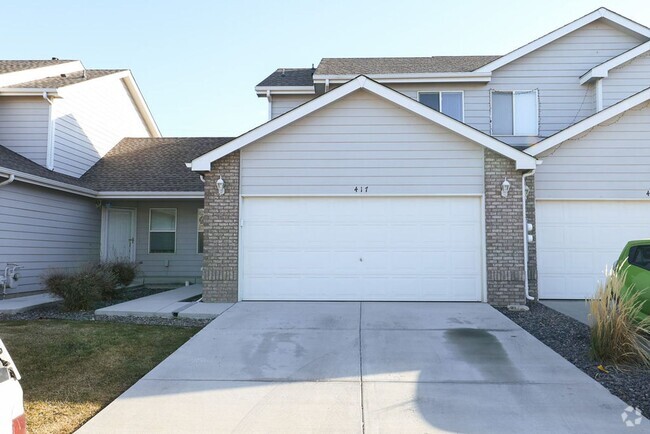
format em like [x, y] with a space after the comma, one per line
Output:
[523, 202]
[8, 180]
[49, 158]
[599, 95]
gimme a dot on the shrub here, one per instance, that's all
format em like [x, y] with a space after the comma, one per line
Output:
[616, 335]
[124, 271]
[84, 288]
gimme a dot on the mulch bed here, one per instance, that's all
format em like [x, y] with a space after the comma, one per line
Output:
[570, 339]
[56, 311]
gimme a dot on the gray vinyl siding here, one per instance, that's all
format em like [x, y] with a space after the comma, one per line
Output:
[24, 126]
[552, 70]
[90, 119]
[186, 263]
[609, 162]
[43, 229]
[626, 80]
[362, 140]
[283, 103]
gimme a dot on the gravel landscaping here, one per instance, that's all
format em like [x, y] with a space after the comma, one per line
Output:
[570, 339]
[56, 311]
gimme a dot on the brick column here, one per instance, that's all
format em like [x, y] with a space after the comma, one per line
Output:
[532, 246]
[221, 232]
[503, 232]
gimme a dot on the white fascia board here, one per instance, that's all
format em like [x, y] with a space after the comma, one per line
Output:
[150, 195]
[523, 161]
[602, 70]
[284, 90]
[9, 91]
[588, 123]
[563, 31]
[437, 77]
[49, 183]
[24, 76]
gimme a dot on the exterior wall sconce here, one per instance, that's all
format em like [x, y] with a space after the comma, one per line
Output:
[505, 188]
[220, 187]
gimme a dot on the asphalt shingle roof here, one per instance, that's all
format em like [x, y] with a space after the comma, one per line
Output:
[13, 161]
[59, 81]
[151, 164]
[401, 65]
[7, 66]
[289, 77]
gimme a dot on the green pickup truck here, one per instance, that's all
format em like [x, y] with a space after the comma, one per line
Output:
[634, 262]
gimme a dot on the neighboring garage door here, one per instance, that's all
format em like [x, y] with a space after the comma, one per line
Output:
[577, 240]
[362, 248]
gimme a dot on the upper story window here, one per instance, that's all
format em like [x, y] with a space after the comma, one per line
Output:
[449, 103]
[514, 113]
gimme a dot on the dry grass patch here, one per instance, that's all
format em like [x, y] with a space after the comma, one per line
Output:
[617, 336]
[73, 369]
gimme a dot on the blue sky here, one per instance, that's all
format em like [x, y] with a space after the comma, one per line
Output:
[197, 62]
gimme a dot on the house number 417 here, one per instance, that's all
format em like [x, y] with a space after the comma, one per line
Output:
[360, 189]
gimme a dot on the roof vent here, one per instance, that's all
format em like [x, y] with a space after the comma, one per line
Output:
[55, 58]
[63, 75]
[83, 74]
[282, 75]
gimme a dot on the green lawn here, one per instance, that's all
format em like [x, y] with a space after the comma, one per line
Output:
[73, 369]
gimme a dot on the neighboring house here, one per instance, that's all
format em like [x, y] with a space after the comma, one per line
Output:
[416, 178]
[75, 190]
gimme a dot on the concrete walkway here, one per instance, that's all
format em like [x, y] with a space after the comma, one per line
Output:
[167, 304]
[23, 304]
[298, 367]
[576, 309]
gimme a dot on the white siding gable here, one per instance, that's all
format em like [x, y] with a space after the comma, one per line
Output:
[24, 126]
[626, 80]
[611, 161]
[283, 103]
[362, 140]
[89, 120]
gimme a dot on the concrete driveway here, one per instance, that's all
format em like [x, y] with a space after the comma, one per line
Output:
[364, 367]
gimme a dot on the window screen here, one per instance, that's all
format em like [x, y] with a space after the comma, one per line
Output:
[162, 230]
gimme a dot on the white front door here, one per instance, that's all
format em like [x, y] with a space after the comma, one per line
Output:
[372, 248]
[577, 240]
[119, 234]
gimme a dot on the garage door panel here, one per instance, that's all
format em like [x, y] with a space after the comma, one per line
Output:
[577, 240]
[362, 249]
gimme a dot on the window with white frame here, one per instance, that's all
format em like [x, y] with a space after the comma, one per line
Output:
[514, 113]
[199, 230]
[162, 230]
[449, 103]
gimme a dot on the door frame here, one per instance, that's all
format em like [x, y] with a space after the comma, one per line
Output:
[103, 250]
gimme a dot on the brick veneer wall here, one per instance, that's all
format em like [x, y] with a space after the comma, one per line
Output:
[221, 232]
[532, 247]
[503, 232]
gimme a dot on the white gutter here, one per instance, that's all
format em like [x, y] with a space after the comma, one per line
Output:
[45, 182]
[8, 180]
[149, 195]
[523, 201]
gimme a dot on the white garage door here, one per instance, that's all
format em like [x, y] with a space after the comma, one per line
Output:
[576, 240]
[362, 248]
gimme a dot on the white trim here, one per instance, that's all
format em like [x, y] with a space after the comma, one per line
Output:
[599, 94]
[10, 78]
[32, 91]
[590, 199]
[563, 31]
[175, 231]
[284, 90]
[514, 120]
[429, 77]
[366, 195]
[522, 160]
[49, 183]
[602, 70]
[588, 123]
[484, 293]
[440, 93]
[150, 195]
[51, 125]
